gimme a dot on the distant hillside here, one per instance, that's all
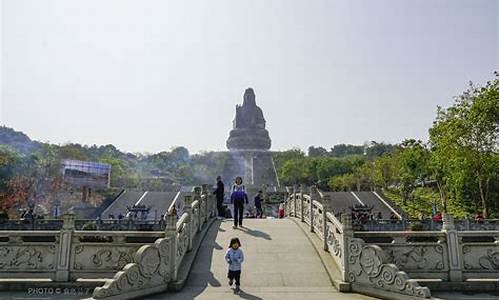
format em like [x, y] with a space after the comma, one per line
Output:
[18, 140]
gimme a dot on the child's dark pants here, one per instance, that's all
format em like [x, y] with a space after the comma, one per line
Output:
[234, 275]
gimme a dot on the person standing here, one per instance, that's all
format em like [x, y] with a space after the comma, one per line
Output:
[219, 195]
[258, 204]
[238, 198]
[234, 257]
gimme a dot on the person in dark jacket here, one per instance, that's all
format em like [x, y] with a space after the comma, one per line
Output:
[219, 195]
[258, 204]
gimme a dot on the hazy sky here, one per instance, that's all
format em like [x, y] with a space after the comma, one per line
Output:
[149, 75]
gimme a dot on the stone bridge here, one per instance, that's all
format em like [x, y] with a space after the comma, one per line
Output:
[310, 253]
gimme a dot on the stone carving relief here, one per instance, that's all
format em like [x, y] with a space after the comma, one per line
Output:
[416, 258]
[182, 244]
[318, 222]
[480, 257]
[334, 244]
[367, 267]
[111, 258]
[151, 269]
[28, 257]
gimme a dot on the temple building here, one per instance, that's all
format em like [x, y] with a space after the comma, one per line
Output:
[249, 144]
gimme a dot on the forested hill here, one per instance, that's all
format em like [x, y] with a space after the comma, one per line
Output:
[18, 140]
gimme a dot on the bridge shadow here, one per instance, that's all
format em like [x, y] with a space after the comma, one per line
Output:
[255, 233]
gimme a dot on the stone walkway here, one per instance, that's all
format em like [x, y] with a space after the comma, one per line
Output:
[280, 263]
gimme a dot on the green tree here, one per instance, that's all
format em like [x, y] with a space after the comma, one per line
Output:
[412, 166]
[464, 140]
[316, 151]
[384, 171]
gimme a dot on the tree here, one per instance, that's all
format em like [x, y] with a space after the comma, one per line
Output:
[384, 171]
[412, 166]
[464, 140]
[316, 151]
[375, 149]
[295, 172]
[345, 150]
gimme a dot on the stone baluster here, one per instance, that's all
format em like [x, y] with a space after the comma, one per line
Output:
[64, 249]
[312, 196]
[204, 191]
[197, 196]
[467, 223]
[347, 235]
[171, 233]
[295, 201]
[325, 201]
[188, 199]
[454, 255]
[302, 190]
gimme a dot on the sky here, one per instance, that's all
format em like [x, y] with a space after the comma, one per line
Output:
[150, 75]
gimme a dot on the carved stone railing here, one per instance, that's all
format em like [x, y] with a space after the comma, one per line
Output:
[84, 224]
[68, 254]
[156, 266]
[445, 255]
[364, 267]
[426, 225]
[386, 260]
[422, 255]
[35, 224]
[133, 261]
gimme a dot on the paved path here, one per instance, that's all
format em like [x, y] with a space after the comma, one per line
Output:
[280, 262]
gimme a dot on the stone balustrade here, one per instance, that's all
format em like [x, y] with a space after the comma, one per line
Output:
[68, 254]
[156, 266]
[426, 225]
[135, 262]
[381, 262]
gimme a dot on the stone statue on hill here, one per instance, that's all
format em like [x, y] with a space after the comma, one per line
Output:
[249, 126]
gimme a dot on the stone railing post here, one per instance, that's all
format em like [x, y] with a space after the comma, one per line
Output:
[204, 191]
[64, 249]
[197, 196]
[294, 191]
[467, 223]
[325, 200]
[347, 234]
[302, 190]
[188, 199]
[171, 233]
[312, 196]
[454, 255]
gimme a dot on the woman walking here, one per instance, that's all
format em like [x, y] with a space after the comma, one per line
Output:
[238, 198]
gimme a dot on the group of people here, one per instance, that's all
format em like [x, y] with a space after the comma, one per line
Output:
[234, 255]
[112, 216]
[239, 198]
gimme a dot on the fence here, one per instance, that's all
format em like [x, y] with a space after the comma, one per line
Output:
[135, 261]
[381, 262]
